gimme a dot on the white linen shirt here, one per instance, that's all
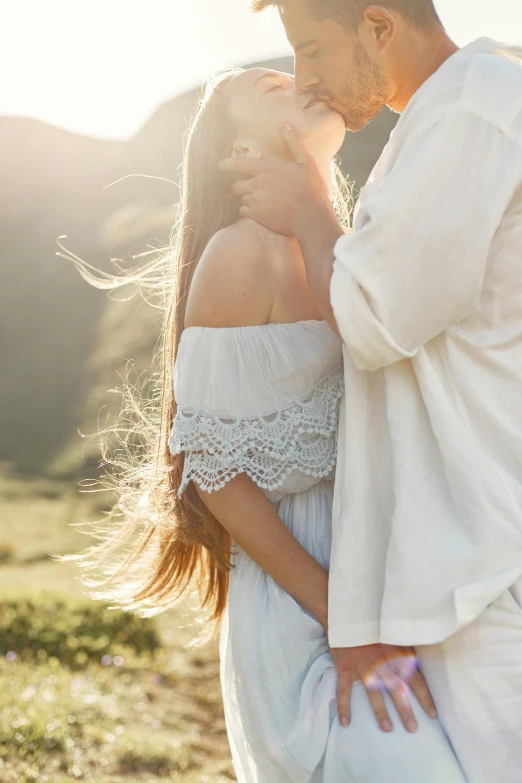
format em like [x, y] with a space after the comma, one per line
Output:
[427, 294]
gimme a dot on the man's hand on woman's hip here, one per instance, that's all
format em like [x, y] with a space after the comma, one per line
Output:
[382, 667]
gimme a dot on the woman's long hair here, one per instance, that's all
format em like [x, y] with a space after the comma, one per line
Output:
[155, 547]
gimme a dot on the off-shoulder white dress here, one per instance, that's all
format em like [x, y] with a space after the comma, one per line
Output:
[264, 400]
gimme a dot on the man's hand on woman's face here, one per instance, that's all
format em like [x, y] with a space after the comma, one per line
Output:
[280, 195]
[382, 667]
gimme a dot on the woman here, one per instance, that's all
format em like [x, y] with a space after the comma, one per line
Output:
[238, 495]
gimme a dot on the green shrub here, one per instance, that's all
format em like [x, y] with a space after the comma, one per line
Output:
[6, 553]
[73, 630]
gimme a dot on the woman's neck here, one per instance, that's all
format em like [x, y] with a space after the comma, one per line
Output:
[324, 164]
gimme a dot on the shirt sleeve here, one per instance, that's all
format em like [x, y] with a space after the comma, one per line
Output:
[416, 262]
[260, 400]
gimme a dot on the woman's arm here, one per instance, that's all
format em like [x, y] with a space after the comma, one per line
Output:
[253, 523]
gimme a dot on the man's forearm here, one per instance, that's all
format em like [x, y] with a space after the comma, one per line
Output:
[317, 236]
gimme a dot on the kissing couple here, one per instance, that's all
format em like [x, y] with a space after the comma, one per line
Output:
[338, 459]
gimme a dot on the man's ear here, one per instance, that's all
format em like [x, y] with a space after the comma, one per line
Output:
[246, 149]
[378, 28]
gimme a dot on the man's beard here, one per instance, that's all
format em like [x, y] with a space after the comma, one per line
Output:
[365, 94]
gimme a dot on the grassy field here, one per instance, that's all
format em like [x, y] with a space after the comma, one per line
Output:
[106, 710]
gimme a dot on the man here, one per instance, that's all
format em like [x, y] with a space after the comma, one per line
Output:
[426, 295]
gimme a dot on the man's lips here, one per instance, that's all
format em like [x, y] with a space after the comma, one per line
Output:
[314, 101]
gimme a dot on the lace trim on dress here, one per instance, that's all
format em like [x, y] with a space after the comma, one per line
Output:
[300, 435]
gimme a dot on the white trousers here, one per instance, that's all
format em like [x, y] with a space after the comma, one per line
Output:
[475, 677]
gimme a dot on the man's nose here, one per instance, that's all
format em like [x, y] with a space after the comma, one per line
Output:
[304, 81]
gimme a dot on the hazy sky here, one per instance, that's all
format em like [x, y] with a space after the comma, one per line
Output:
[101, 67]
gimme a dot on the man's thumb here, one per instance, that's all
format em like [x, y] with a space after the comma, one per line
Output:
[295, 144]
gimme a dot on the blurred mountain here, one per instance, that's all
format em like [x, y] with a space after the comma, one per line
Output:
[62, 342]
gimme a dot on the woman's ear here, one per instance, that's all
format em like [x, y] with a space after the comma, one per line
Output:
[245, 149]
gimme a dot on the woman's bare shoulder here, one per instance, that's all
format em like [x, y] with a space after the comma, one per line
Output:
[234, 282]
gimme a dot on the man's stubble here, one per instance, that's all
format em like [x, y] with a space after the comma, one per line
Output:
[366, 92]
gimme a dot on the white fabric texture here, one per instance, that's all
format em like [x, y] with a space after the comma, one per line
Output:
[477, 677]
[427, 293]
[281, 426]
[277, 675]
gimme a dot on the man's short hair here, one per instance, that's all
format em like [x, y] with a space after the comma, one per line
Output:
[421, 13]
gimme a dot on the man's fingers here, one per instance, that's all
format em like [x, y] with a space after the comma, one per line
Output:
[243, 165]
[405, 665]
[379, 708]
[398, 690]
[300, 154]
[385, 677]
[242, 187]
[401, 699]
[344, 697]
[422, 693]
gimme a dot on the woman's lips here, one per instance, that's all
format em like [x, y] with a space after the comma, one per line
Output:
[315, 102]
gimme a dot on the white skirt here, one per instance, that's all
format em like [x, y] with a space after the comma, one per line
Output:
[279, 684]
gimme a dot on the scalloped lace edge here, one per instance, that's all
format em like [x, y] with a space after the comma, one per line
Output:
[299, 435]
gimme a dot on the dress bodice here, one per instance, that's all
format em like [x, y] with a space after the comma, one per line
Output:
[261, 400]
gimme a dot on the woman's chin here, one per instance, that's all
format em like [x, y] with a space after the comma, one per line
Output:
[338, 129]
[322, 131]
[330, 131]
